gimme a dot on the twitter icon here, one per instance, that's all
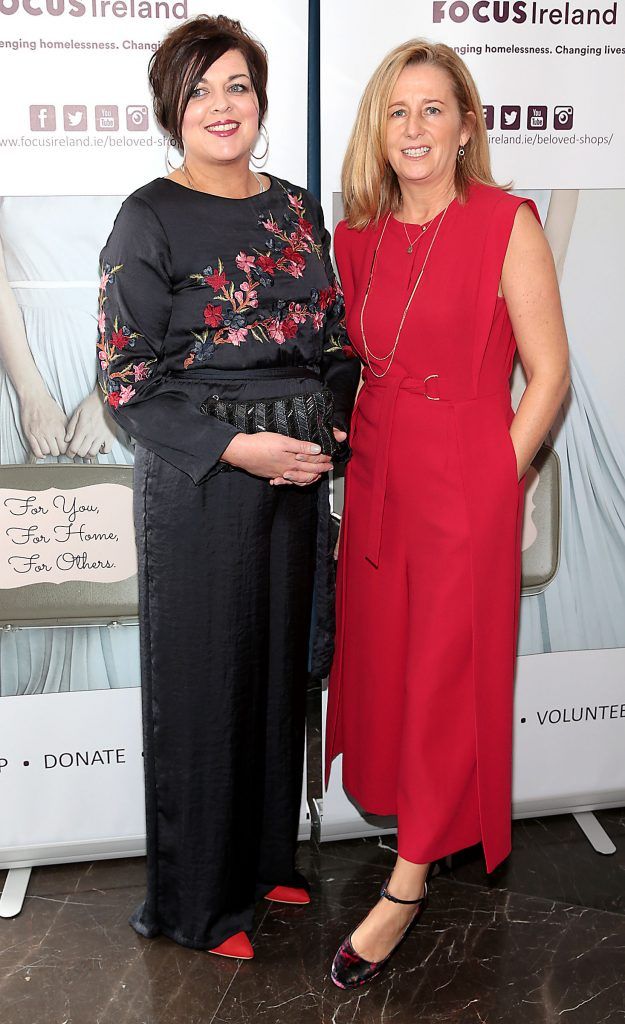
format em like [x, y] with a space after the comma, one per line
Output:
[75, 118]
[510, 118]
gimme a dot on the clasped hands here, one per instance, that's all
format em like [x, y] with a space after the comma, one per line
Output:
[281, 460]
[49, 431]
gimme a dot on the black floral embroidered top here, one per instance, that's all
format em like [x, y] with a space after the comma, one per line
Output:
[191, 281]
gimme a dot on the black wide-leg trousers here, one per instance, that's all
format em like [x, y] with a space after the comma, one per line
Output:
[225, 588]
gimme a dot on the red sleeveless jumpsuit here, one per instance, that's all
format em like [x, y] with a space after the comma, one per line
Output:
[420, 700]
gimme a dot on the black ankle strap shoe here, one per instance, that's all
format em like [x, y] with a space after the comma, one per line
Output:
[349, 969]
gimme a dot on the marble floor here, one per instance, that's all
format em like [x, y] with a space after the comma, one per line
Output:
[541, 940]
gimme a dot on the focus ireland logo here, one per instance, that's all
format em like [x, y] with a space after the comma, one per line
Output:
[98, 8]
[520, 12]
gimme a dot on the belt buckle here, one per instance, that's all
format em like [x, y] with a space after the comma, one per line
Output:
[432, 398]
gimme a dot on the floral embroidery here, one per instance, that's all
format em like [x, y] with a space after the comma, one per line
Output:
[336, 345]
[213, 315]
[117, 383]
[229, 314]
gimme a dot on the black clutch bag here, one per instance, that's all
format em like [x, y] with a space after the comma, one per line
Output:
[305, 417]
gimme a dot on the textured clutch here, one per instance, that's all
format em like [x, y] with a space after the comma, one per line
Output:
[305, 417]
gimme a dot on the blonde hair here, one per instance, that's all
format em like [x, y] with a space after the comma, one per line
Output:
[370, 185]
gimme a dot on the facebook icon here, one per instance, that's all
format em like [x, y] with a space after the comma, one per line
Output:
[42, 118]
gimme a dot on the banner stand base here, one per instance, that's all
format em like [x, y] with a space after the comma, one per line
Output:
[348, 825]
[315, 807]
[16, 883]
[14, 891]
[594, 832]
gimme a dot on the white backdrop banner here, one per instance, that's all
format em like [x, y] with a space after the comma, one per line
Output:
[71, 776]
[550, 77]
[80, 120]
[570, 727]
[77, 134]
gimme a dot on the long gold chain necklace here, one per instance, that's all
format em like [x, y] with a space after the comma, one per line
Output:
[391, 355]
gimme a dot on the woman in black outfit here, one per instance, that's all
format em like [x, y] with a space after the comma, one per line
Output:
[216, 286]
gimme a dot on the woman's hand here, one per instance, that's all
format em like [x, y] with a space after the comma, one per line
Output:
[277, 458]
[43, 422]
[88, 432]
[339, 435]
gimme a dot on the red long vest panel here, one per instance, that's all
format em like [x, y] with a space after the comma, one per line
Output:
[420, 700]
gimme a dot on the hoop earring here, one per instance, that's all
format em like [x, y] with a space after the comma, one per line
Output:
[171, 143]
[259, 160]
[461, 154]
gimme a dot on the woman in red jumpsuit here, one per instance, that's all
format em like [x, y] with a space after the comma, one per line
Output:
[445, 274]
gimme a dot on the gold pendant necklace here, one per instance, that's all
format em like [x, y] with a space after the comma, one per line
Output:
[411, 244]
[391, 355]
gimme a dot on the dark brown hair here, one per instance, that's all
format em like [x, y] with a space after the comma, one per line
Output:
[184, 57]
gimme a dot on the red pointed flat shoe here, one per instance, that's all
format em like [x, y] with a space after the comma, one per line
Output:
[237, 946]
[288, 894]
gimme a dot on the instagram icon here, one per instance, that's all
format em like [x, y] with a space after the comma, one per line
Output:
[563, 119]
[137, 118]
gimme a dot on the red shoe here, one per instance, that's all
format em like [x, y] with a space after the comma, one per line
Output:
[237, 946]
[288, 894]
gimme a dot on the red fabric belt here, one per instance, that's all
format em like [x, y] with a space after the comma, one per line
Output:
[433, 388]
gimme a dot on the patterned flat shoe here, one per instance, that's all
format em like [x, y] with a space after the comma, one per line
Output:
[349, 969]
